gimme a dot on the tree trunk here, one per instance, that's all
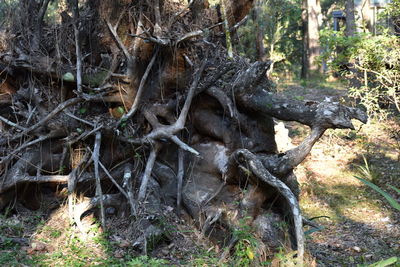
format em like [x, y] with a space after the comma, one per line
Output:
[260, 49]
[305, 56]
[350, 18]
[314, 50]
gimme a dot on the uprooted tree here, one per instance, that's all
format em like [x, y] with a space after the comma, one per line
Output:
[136, 104]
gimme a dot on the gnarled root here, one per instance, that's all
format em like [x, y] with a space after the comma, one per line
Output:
[245, 157]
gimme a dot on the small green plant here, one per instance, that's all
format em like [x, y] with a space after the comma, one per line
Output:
[14, 257]
[55, 233]
[205, 258]
[286, 258]
[245, 251]
[395, 204]
[389, 198]
[384, 263]
[145, 261]
[368, 171]
[82, 110]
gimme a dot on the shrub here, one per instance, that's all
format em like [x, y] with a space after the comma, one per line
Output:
[372, 62]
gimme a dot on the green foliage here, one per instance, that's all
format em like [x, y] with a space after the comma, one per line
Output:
[370, 176]
[279, 20]
[373, 62]
[14, 257]
[367, 171]
[145, 261]
[286, 258]
[7, 7]
[245, 251]
[393, 9]
[384, 263]
[393, 202]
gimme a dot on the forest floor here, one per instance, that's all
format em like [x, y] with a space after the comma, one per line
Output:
[358, 226]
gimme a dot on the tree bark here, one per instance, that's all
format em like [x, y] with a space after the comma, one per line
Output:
[260, 49]
[350, 18]
[305, 57]
[314, 50]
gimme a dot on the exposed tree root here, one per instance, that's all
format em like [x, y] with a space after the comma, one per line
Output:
[258, 169]
[167, 122]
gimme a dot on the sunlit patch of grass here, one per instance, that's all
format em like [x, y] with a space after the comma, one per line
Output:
[339, 197]
[64, 245]
[315, 207]
[315, 81]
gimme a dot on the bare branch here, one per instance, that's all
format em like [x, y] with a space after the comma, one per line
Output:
[282, 164]
[79, 119]
[75, 13]
[99, 192]
[72, 181]
[128, 184]
[184, 146]
[42, 122]
[148, 170]
[140, 91]
[119, 42]
[179, 179]
[12, 123]
[180, 123]
[28, 144]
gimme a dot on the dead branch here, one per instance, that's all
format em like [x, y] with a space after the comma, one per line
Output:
[128, 195]
[129, 186]
[169, 131]
[99, 192]
[75, 14]
[12, 124]
[179, 179]
[147, 173]
[284, 163]
[223, 99]
[79, 119]
[42, 122]
[72, 182]
[121, 45]
[28, 144]
[256, 99]
[140, 91]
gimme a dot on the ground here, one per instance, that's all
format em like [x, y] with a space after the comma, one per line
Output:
[358, 226]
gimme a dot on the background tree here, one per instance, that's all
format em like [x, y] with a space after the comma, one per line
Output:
[277, 25]
[310, 17]
[350, 18]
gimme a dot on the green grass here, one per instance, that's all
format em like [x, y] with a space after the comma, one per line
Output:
[15, 257]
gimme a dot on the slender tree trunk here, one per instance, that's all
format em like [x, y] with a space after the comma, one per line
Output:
[350, 18]
[313, 10]
[311, 47]
[305, 59]
[259, 32]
